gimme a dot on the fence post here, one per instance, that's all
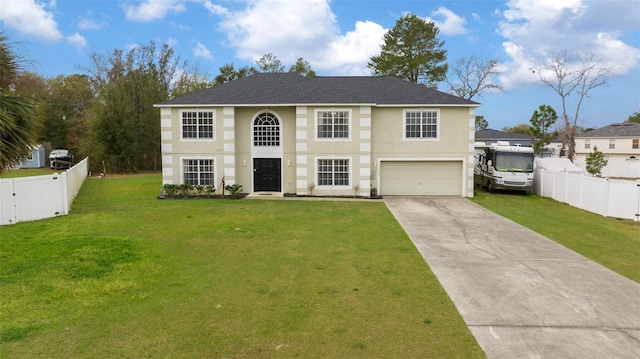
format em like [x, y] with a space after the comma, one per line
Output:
[65, 193]
[605, 204]
[581, 192]
[638, 211]
[538, 177]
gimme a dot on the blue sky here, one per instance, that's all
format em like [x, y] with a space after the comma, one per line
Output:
[338, 37]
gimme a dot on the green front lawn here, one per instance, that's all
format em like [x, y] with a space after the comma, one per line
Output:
[28, 172]
[127, 275]
[612, 242]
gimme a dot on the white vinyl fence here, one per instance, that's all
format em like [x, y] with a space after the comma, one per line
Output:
[607, 197]
[30, 198]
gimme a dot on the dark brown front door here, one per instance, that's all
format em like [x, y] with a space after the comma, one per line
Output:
[266, 175]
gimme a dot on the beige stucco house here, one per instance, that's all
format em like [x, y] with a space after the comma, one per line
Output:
[618, 142]
[283, 133]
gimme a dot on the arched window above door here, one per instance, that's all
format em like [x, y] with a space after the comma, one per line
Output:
[266, 130]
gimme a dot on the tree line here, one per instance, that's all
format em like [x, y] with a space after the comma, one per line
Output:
[107, 113]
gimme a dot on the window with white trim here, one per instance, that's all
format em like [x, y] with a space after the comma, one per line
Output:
[198, 124]
[266, 130]
[197, 172]
[333, 172]
[421, 124]
[333, 124]
[635, 144]
[612, 144]
[587, 144]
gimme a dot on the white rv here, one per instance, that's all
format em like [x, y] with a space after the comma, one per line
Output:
[502, 166]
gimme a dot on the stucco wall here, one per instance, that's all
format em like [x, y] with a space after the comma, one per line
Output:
[375, 134]
[454, 134]
[174, 149]
[622, 151]
[454, 142]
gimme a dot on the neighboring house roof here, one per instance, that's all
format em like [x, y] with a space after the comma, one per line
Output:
[490, 134]
[292, 89]
[625, 129]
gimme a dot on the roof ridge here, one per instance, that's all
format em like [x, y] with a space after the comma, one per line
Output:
[288, 88]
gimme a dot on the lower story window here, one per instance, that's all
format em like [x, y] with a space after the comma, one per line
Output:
[198, 172]
[334, 172]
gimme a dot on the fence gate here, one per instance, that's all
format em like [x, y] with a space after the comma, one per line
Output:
[31, 198]
[7, 203]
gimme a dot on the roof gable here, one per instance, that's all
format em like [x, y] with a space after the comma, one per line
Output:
[625, 129]
[292, 89]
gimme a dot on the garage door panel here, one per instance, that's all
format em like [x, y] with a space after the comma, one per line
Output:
[424, 178]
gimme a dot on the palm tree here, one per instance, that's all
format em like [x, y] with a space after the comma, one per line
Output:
[18, 124]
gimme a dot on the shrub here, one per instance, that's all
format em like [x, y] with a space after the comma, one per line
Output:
[595, 162]
[170, 190]
[233, 189]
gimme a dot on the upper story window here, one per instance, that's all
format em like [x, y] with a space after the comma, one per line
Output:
[612, 144]
[266, 130]
[333, 124]
[198, 124]
[635, 144]
[587, 144]
[421, 124]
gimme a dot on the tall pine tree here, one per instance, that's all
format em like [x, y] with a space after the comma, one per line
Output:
[541, 121]
[412, 51]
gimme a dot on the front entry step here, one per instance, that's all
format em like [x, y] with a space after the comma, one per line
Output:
[266, 195]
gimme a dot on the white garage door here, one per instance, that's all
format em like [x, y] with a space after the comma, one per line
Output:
[421, 178]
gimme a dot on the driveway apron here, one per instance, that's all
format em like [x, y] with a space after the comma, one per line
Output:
[521, 294]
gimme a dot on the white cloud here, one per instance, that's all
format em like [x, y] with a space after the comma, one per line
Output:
[350, 53]
[89, 23]
[172, 42]
[535, 30]
[517, 71]
[180, 26]
[201, 51]
[215, 9]
[291, 29]
[149, 10]
[619, 57]
[30, 17]
[77, 40]
[452, 24]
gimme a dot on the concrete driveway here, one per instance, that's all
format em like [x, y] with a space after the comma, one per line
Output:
[521, 294]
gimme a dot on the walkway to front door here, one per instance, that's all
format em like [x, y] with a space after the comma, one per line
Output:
[267, 175]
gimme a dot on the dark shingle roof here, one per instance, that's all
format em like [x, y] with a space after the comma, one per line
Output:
[625, 129]
[490, 134]
[292, 88]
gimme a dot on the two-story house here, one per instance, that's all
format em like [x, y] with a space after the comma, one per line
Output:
[283, 133]
[618, 142]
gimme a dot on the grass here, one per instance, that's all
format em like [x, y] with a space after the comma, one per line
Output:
[612, 242]
[27, 172]
[127, 275]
